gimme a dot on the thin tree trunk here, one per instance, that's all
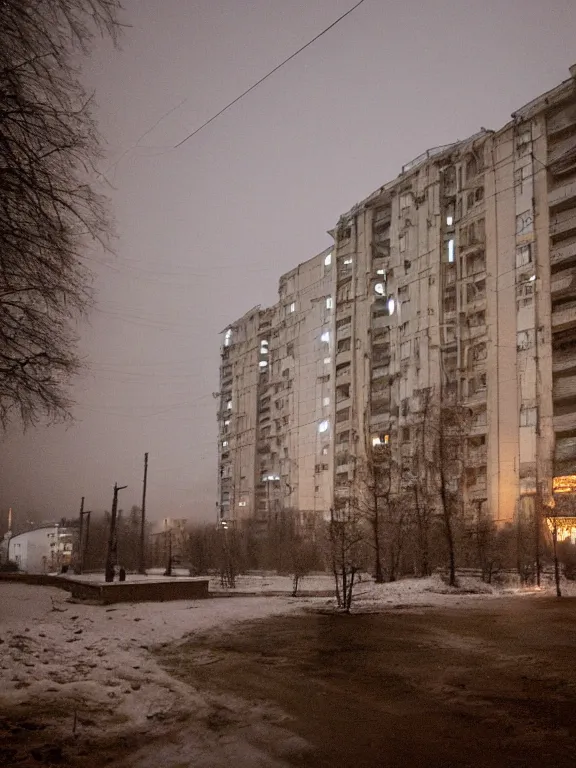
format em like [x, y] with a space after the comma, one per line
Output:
[378, 572]
[556, 564]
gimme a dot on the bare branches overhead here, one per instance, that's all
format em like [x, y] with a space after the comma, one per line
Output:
[49, 212]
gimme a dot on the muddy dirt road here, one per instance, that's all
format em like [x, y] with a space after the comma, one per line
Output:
[490, 685]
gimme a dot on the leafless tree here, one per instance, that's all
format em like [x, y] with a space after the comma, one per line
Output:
[229, 554]
[371, 494]
[345, 538]
[450, 432]
[423, 470]
[443, 452]
[49, 211]
[302, 552]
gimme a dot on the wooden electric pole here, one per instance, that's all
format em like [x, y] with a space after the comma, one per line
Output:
[112, 538]
[87, 514]
[80, 549]
[142, 564]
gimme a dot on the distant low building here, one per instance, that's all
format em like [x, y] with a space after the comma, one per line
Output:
[42, 550]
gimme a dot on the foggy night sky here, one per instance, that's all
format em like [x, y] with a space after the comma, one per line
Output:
[206, 230]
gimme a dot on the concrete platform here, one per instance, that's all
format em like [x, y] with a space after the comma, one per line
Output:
[138, 591]
[98, 592]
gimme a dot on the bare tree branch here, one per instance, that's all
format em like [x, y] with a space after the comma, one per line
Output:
[49, 212]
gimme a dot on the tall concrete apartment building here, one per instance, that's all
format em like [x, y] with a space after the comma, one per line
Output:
[274, 399]
[456, 278]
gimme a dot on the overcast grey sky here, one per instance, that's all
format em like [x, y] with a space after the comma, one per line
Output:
[206, 230]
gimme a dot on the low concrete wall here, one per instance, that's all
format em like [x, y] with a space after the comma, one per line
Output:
[138, 591]
[37, 579]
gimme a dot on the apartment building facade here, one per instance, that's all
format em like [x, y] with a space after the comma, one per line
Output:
[274, 448]
[456, 281]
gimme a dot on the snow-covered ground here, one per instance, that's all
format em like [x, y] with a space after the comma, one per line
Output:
[93, 665]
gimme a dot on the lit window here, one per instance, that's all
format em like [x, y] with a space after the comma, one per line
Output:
[451, 250]
[532, 278]
[263, 363]
[229, 405]
[292, 307]
[326, 401]
[325, 336]
[323, 426]
[329, 302]
[348, 260]
[380, 271]
[326, 361]
[228, 337]
[241, 503]
[328, 259]
[379, 288]
[449, 220]
[391, 306]
[376, 440]
[225, 444]
[226, 422]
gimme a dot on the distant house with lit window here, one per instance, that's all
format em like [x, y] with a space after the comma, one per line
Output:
[42, 550]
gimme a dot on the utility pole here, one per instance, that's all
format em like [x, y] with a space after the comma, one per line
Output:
[142, 564]
[80, 548]
[169, 561]
[86, 537]
[112, 538]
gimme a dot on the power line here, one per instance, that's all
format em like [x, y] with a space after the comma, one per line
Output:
[272, 71]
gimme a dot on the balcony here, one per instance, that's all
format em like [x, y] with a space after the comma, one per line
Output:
[566, 422]
[476, 457]
[344, 402]
[563, 283]
[565, 449]
[343, 331]
[563, 121]
[562, 148]
[379, 371]
[479, 396]
[564, 316]
[564, 252]
[381, 321]
[563, 223]
[343, 357]
[478, 491]
[564, 359]
[343, 374]
[564, 387]
[562, 193]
